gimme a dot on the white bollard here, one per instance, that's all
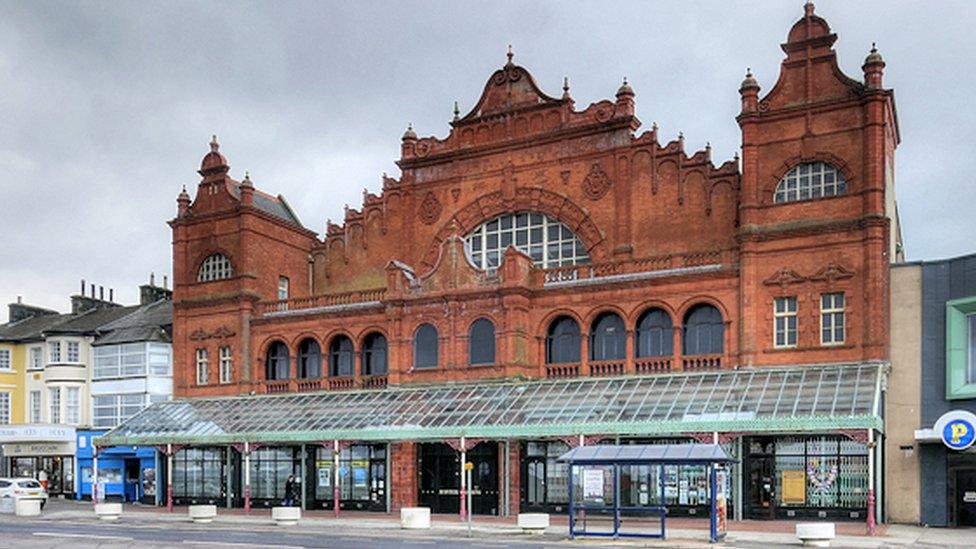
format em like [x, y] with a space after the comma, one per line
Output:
[27, 507]
[108, 511]
[202, 514]
[286, 516]
[415, 518]
[815, 534]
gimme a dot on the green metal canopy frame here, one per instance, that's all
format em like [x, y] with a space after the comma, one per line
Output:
[813, 398]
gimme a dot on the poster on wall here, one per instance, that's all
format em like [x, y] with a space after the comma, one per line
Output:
[359, 477]
[794, 483]
[592, 484]
[325, 477]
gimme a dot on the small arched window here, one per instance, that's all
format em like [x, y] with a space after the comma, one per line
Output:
[655, 334]
[215, 267]
[563, 341]
[340, 356]
[425, 347]
[481, 342]
[276, 363]
[704, 332]
[309, 359]
[374, 355]
[808, 181]
[608, 338]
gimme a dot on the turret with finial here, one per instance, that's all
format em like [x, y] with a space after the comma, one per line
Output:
[410, 135]
[749, 92]
[873, 68]
[213, 163]
[247, 190]
[182, 202]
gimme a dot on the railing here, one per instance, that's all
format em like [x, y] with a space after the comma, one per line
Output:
[701, 362]
[649, 264]
[607, 368]
[273, 386]
[340, 383]
[652, 365]
[328, 300]
[562, 370]
[307, 385]
[374, 382]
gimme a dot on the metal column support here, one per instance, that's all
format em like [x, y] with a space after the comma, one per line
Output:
[387, 482]
[871, 502]
[247, 478]
[228, 478]
[94, 490]
[507, 472]
[304, 470]
[739, 446]
[169, 478]
[464, 459]
[335, 477]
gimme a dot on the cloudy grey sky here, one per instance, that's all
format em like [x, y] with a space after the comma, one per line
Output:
[106, 108]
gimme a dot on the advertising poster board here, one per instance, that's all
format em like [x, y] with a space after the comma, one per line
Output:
[592, 485]
[794, 487]
[721, 501]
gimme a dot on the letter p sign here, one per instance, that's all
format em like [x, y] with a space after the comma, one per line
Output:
[958, 434]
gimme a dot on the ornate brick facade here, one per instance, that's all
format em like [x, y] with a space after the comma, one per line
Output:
[662, 227]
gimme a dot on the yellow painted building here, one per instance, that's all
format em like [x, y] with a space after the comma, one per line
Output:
[20, 345]
[12, 366]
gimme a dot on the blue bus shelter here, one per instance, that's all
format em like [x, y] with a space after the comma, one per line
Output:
[596, 474]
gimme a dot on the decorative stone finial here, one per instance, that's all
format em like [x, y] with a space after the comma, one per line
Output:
[247, 180]
[457, 111]
[749, 82]
[214, 146]
[510, 55]
[654, 126]
[625, 89]
[808, 9]
[565, 87]
[873, 58]
[410, 135]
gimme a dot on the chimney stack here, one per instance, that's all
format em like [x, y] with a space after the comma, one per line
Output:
[165, 282]
[111, 294]
[101, 293]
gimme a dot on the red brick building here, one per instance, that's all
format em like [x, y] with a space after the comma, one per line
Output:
[543, 241]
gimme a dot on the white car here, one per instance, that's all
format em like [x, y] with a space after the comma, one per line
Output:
[22, 489]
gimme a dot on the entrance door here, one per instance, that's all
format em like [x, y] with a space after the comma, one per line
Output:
[131, 490]
[966, 498]
[484, 478]
[440, 478]
[762, 486]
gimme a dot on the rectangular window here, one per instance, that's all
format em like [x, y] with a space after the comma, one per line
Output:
[4, 408]
[105, 410]
[35, 358]
[4, 359]
[784, 322]
[201, 366]
[832, 319]
[160, 359]
[133, 359]
[282, 287]
[54, 402]
[54, 351]
[73, 406]
[74, 355]
[35, 402]
[131, 405]
[226, 365]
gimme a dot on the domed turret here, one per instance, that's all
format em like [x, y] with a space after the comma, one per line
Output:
[214, 162]
[409, 135]
[625, 90]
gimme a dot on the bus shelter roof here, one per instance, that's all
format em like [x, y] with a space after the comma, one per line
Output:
[647, 454]
[811, 398]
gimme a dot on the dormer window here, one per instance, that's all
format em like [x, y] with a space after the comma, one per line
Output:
[215, 267]
[809, 181]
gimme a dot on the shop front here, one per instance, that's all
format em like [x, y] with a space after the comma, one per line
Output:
[43, 452]
[948, 469]
[125, 473]
[362, 476]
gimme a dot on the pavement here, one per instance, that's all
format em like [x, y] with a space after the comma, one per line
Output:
[70, 523]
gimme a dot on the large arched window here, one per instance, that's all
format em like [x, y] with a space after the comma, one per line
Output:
[425, 347]
[340, 356]
[309, 359]
[704, 332]
[608, 338]
[374, 355]
[655, 334]
[481, 342]
[563, 341]
[277, 364]
[215, 267]
[808, 181]
[547, 241]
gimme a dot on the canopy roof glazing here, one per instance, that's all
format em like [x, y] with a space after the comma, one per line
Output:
[801, 398]
[647, 454]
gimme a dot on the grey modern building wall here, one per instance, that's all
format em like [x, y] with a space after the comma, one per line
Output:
[942, 281]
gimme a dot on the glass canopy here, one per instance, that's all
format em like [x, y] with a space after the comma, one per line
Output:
[800, 398]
